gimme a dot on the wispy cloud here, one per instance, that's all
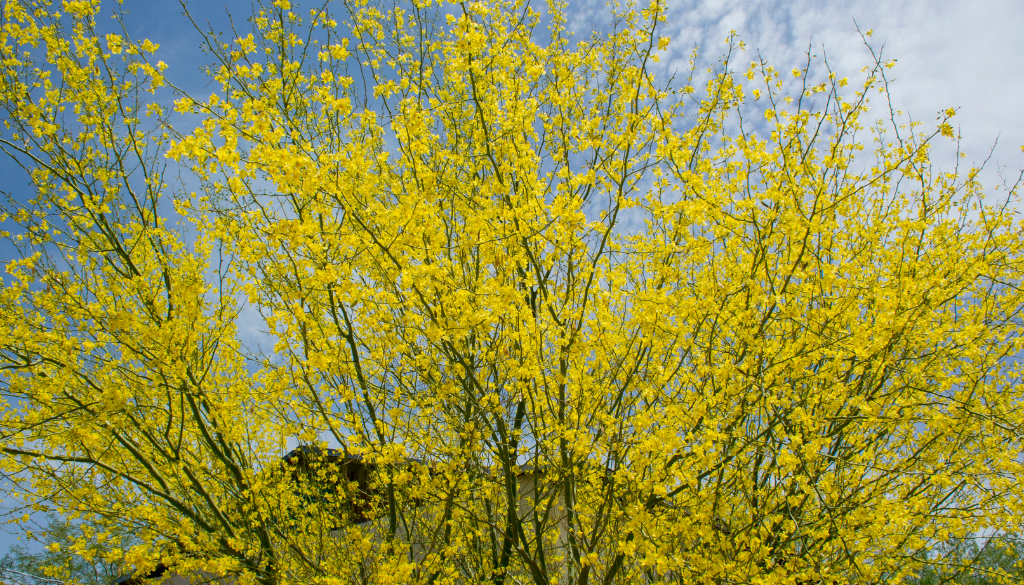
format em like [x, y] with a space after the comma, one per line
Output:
[964, 55]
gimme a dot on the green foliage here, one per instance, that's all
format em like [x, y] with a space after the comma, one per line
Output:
[72, 552]
[963, 561]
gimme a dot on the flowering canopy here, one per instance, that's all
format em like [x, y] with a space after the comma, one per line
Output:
[586, 324]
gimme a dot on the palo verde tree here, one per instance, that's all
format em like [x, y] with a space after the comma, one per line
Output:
[575, 321]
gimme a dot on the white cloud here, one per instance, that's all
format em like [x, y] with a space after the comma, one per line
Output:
[963, 55]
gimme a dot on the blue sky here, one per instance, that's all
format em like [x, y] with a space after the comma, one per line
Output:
[950, 53]
[958, 54]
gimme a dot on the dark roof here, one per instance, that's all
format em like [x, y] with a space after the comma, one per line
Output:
[302, 452]
[131, 579]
